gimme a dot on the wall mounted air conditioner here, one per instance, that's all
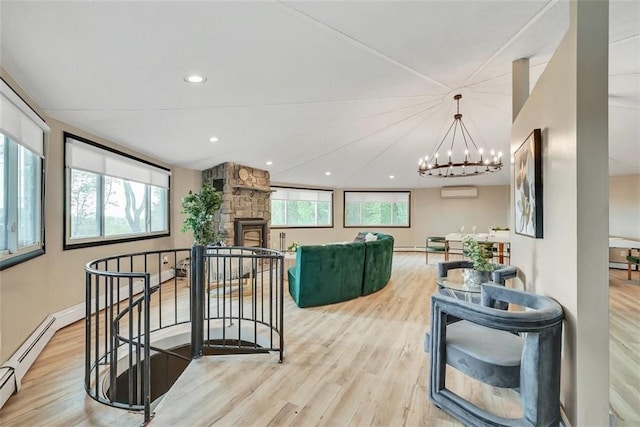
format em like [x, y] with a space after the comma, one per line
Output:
[459, 192]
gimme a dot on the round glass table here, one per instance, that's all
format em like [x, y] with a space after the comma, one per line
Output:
[456, 286]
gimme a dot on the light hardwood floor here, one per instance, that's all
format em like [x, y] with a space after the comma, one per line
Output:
[624, 347]
[356, 363]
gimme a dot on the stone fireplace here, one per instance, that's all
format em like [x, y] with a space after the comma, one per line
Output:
[245, 215]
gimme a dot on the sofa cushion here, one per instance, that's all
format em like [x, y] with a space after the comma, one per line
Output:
[370, 237]
[360, 238]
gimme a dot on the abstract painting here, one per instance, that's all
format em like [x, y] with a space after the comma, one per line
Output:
[528, 186]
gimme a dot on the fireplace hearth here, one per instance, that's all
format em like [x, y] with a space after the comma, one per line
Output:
[250, 232]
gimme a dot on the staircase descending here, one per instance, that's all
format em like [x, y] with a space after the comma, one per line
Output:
[174, 306]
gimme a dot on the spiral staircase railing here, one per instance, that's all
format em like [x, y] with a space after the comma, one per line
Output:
[142, 305]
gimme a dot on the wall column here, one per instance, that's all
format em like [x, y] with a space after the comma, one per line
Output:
[519, 85]
[570, 264]
[591, 19]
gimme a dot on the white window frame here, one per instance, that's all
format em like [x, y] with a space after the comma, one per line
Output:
[309, 194]
[22, 129]
[84, 155]
[390, 197]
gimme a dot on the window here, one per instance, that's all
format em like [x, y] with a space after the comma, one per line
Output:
[21, 190]
[112, 197]
[296, 207]
[380, 209]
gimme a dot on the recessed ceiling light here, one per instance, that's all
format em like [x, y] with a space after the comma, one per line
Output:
[327, 173]
[269, 163]
[194, 78]
[391, 176]
[213, 139]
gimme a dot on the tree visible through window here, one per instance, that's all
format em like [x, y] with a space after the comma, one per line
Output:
[84, 204]
[292, 207]
[3, 197]
[103, 207]
[20, 201]
[381, 209]
[22, 151]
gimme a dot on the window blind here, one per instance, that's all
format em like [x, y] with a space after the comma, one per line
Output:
[86, 157]
[383, 197]
[19, 122]
[300, 194]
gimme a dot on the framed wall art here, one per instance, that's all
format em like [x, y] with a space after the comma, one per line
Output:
[527, 198]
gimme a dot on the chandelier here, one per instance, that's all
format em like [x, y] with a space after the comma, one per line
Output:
[474, 162]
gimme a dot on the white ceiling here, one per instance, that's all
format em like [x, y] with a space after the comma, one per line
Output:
[360, 89]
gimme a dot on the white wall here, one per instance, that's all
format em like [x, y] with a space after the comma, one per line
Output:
[624, 212]
[570, 105]
[430, 216]
[624, 206]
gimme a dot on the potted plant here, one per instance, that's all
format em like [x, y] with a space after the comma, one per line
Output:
[293, 247]
[481, 259]
[200, 208]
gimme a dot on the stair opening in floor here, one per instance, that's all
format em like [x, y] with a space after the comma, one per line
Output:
[166, 368]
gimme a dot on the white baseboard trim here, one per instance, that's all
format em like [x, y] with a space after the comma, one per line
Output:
[408, 248]
[564, 419]
[13, 370]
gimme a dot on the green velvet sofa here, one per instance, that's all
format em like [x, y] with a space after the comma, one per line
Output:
[336, 272]
[378, 257]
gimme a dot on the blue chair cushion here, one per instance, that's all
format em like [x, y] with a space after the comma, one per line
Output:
[489, 355]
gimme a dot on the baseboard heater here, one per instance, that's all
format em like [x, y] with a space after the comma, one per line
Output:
[13, 370]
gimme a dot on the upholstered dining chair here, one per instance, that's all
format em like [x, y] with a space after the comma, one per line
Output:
[484, 344]
[438, 245]
[631, 259]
